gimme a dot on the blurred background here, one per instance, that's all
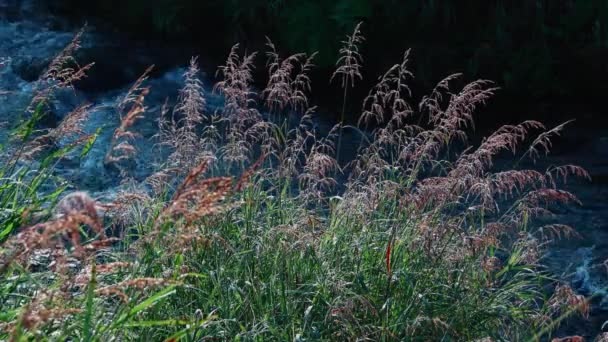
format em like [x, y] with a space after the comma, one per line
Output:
[549, 57]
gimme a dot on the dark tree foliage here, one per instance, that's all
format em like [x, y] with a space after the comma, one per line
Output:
[538, 48]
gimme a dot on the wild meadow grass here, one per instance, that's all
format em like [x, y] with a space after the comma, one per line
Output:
[250, 229]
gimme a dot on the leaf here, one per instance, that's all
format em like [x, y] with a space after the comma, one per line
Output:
[194, 275]
[89, 144]
[160, 323]
[53, 196]
[146, 304]
[26, 129]
[8, 315]
[199, 324]
[88, 313]
[8, 229]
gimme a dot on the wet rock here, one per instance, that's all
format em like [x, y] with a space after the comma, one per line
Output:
[29, 68]
[33, 10]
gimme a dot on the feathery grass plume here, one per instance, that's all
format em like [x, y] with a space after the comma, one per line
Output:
[262, 135]
[470, 177]
[212, 136]
[239, 108]
[72, 124]
[301, 84]
[235, 86]
[278, 90]
[348, 70]
[319, 167]
[62, 72]
[543, 143]
[292, 149]
[415, 147]
[168, 129]
[70, 130]
[564, 299]
[131, 109]
[556, 231]
[127, 208]
[195, 199]
[162, 180]
[237, 150]
[60, 69]
[45, 308]
[349, 63]
[563, 172]
[86, 274]
[202, 199]
[71, 213]
[132, 95]
[387, 97]
[180, 132]
[288, 80]
[449, 123]
[191, 104]
[536, 203]
[469, 174]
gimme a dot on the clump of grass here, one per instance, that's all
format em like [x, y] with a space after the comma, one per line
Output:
[131, 109]
[421, 239]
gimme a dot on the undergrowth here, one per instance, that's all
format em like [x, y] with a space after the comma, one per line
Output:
[418, 237]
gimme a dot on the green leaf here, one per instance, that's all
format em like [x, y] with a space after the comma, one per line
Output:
[193, 326]
[26, 129]
[8, 315]
[88, 313]
[53, 196]
[146, 304]
[89, 144]
[8, 229]
[161, 323]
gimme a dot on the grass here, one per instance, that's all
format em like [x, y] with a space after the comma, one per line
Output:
[421, 240]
